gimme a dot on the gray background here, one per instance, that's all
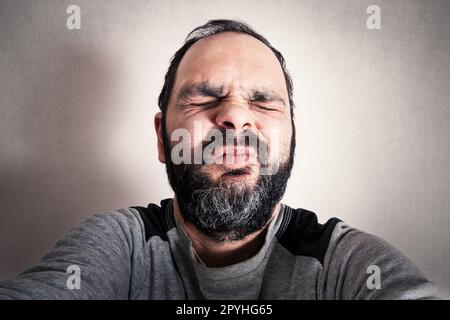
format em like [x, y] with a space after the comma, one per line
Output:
[373, 114]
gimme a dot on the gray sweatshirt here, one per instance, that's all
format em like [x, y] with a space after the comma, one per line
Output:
[143, 253]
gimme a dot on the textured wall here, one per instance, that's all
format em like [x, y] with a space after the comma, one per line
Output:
[373, 114]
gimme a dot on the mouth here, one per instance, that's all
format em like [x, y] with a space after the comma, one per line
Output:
[238, 175]
[236, 156]
[238, 172]
[231, 173]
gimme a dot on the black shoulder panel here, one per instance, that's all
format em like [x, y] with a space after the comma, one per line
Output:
[157, 219]
[303, 235]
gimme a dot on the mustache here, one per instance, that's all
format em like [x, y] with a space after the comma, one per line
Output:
[222, 146]
[241, 143]
[244, 139]
[247, 139]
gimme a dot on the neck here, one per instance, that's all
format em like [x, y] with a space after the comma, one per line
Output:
[220, 254]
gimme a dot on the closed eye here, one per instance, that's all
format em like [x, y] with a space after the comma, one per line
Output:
[207, 104]
[265, 107]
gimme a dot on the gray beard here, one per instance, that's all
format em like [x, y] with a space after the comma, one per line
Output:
[227, 211]
[230, 207]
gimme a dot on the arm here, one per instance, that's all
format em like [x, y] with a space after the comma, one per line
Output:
[356, 261]
[105, 247]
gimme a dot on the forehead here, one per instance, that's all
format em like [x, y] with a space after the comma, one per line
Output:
[231, 60]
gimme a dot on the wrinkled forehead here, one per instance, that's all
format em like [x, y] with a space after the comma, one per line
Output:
[231, 60]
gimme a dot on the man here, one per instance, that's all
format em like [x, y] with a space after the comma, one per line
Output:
[225, 234]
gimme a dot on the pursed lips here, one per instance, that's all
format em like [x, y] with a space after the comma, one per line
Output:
[236, 155]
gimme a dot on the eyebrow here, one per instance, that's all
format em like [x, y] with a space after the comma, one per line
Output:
[200, 89]
[266, 95]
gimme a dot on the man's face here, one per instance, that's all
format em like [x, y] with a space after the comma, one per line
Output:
[234, 83]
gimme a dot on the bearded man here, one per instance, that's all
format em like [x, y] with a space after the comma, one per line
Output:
[226, 134]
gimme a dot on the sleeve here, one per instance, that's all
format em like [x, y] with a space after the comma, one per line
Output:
[361, 266]
[104, 249]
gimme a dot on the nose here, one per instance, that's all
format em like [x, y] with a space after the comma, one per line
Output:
[236, 116]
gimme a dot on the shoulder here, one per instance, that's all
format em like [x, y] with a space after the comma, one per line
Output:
[355, 260]
[349, 256]
[135, 223]
[156, 220]
[301, 233]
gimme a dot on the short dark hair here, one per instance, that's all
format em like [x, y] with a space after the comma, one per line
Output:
[213, 27]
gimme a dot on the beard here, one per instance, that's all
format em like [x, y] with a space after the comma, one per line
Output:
[226, 211]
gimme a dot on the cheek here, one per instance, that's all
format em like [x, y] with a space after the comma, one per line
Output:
[277, 133]
[196, 127]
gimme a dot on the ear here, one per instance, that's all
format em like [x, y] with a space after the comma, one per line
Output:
[159, 135]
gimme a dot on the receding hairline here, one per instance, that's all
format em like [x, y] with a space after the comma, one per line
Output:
[213, 37]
